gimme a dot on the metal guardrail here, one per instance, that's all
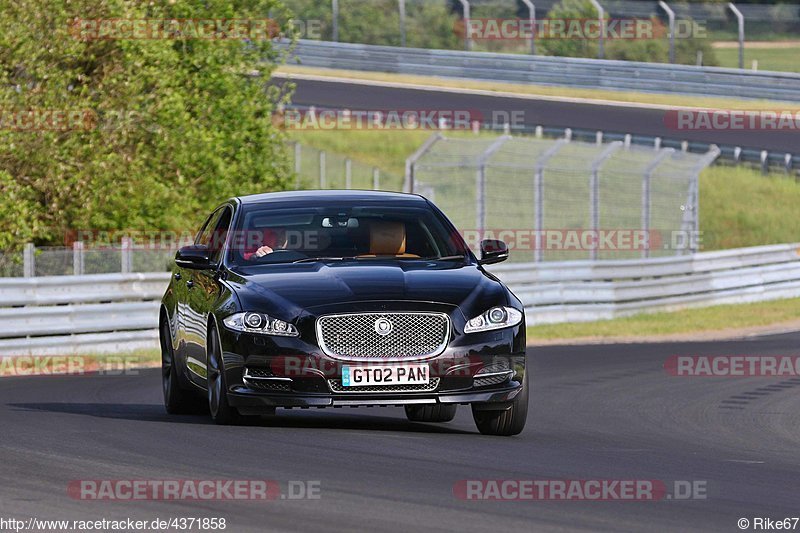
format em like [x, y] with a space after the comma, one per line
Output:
[560, 71]
[583, 290]
[118, 312]
[103, 313]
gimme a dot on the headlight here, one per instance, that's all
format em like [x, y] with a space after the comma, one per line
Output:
[260, 323]
[494, 318]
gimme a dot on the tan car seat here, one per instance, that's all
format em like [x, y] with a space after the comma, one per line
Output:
[387, 238]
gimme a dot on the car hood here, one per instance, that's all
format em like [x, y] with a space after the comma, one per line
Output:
[294, 288]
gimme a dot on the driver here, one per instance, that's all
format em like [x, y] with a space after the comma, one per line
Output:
[272, 239]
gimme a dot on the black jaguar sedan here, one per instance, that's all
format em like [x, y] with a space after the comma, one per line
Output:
[341, 298]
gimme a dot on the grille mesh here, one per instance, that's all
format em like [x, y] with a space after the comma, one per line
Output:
[336, 386]
[353, 336]
[281, 386]
[492, 380]
[259, 372]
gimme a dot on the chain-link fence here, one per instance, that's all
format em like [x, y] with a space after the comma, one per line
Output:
[314, 169]
[320, 169]
[78, 259]
[562, 199]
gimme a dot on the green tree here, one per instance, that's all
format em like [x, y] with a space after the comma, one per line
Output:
[173, 126]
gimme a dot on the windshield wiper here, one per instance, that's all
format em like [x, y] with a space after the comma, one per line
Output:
[449, 258]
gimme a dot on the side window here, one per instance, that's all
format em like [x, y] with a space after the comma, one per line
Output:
[205, 234]
[220, 233]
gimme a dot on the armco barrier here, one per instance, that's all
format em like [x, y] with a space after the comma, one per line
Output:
[560, 71]
[117, 312]
[581, 290]
[102, 313]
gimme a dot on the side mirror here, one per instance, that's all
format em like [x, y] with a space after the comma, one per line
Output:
[493, 251]
[195, 256]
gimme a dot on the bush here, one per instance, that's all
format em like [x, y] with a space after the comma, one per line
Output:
[171, 127]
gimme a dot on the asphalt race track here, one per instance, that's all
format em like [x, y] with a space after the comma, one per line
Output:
[619, 119]
[597, 412]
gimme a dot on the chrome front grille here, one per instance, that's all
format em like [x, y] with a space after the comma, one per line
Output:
[336, 386]
[365, 336]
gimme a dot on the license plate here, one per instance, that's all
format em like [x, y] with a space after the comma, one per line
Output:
[363, 376]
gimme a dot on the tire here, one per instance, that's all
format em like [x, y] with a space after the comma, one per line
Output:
[221, 411]
[177, 400]
[506, 422]
[431, 413]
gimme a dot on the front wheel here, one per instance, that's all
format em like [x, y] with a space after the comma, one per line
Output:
[431, 413]
[221, 411]
[176, 399]
[508, 420]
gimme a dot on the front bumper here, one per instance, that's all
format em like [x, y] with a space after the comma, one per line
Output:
[249, 401]
[294, 373]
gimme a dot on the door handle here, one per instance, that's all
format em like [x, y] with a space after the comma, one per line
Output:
[178, 276]
[190, 284]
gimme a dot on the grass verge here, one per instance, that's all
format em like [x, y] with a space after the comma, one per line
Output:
[781, 59]
[721, 318]
[79, 364]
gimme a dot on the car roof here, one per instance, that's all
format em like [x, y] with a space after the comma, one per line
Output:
[320, 197]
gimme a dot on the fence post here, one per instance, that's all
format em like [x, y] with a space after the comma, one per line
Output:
[402, 8]
[126, 259]
[322, 165]
[410, 178]
[376, 179]
[77, 258]
[646, 203]
[538, 191]
[335, 20]
[691, 214]
[740, 21]
[467, 37]
[671, 18]
[601, 18]
[29, 261]
[480, 192]
[594, 190]
[348, 174]
[532, 18]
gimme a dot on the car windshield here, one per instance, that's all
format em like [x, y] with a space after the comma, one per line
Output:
[269, 235]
